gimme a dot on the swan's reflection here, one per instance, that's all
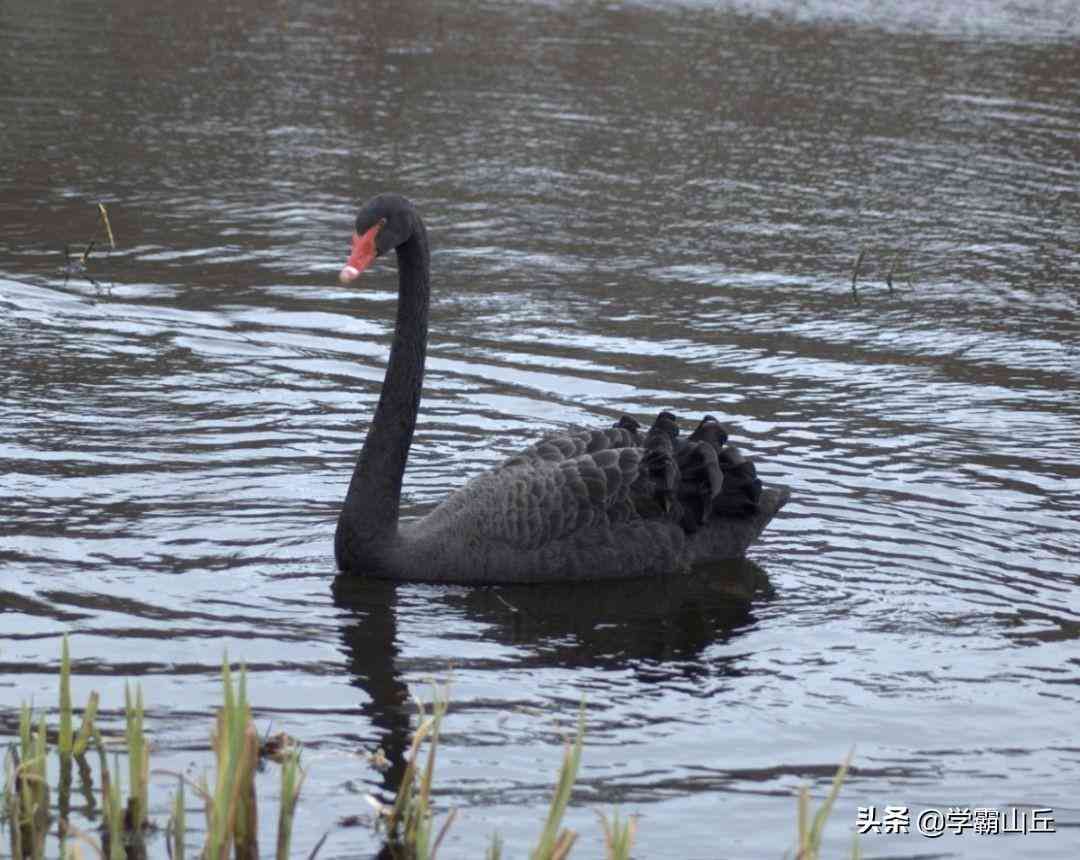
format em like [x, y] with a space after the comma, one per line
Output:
[611, 625]
[659, 627]
[369, 635]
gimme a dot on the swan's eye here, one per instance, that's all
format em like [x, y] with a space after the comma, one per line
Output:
[374, 232]
[375, 229]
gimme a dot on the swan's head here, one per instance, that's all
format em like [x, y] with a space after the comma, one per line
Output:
[383, 223]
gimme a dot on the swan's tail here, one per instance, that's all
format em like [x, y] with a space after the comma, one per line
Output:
[730, 536]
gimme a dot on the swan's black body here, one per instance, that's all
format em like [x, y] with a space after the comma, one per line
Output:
[588, 504]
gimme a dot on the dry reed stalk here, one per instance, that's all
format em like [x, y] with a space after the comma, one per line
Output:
[855, 269]
[889, 274]
[108, 227]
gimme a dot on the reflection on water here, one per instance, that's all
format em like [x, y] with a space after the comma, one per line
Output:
[589, 624]
[652, 623]
[632, 207]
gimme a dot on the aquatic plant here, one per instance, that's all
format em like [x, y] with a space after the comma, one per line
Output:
[891, 272]
[232, 816]
[292, 781]
[555, 843]
[230, 800]
[855, 270]
[810, 830]
[26, 788]
[618, 835]
[108, 227]
[408, 823]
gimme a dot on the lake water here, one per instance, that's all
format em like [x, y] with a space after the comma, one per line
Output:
[632, 207]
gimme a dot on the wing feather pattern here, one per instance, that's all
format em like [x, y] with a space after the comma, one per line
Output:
[583, 500]
[568, 445]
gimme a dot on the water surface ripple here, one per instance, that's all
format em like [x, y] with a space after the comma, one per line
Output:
[633, 207]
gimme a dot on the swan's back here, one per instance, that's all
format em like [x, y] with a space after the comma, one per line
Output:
[589, 504]
[558, 447]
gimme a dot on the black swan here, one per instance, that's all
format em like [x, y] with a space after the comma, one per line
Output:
[610, 503]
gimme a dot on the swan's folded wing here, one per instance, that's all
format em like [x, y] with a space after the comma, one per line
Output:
[741, 490]
[569, 445]
[528, 508]
[700, 472]
[658, 481]
[701, 479]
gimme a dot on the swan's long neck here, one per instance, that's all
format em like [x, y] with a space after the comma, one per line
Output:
[367, 526]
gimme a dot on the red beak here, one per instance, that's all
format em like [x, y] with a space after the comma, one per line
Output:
[362, 256]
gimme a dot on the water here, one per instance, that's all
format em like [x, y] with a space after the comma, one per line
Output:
[633, 207]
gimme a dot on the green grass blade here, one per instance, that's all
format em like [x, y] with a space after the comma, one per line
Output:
[226, 747]
[138, 755]
[232, 810]
[553, 842]
[619, 835]
[404, 797]
[803, 826]
[66, 730]
[178, 823]
[12, 800]
[86, 728]
[292, 781]
[25, 720]
[112, 805]
[810, 830]
[822, 816]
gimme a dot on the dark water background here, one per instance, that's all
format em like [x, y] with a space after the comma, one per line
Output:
[634, 207]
